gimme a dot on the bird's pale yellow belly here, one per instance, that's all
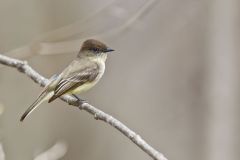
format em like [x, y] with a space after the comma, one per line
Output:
[83, 88]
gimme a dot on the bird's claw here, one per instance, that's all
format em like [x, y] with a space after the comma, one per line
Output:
[80, 101]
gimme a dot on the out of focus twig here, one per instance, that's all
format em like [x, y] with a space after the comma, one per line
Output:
[23, 67]
[57, 151]
[2, 154]
[106, 22]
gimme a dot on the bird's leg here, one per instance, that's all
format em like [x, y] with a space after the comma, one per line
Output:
[81, 101]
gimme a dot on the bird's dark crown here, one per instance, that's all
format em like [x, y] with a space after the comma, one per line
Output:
[94, 45]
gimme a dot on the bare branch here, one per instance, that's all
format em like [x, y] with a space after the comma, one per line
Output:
[98, 114]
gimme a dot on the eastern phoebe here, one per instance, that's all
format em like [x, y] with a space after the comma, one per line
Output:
[79, 76]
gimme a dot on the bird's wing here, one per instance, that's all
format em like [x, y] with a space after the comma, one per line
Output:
[76, 74]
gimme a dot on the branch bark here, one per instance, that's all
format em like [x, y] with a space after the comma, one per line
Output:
[23, 67]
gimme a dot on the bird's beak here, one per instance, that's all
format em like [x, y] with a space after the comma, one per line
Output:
[109, 50]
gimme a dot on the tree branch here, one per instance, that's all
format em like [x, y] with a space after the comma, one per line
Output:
[23, 67]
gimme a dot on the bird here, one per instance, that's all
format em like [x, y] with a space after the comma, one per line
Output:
[79, 76]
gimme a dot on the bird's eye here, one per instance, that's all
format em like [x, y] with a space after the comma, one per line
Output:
[96, 50]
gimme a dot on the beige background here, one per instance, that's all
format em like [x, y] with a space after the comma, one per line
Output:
[174, 78]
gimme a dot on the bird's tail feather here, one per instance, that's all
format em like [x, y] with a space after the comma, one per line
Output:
[45, 95]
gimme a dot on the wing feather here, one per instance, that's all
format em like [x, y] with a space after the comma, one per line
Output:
[73, 80]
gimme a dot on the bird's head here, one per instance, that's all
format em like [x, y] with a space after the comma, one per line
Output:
[92, 48]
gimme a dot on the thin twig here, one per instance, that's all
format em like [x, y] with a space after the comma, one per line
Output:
[23, 67]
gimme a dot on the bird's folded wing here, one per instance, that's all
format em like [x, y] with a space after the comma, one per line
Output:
[85, 74]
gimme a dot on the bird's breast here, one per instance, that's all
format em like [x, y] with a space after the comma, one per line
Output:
[89, 85]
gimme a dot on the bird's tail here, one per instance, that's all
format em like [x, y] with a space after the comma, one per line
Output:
[45, 95]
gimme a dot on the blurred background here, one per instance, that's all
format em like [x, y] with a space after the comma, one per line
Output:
[174, 78]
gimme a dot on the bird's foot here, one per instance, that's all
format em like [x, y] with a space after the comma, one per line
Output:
[80, 101]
